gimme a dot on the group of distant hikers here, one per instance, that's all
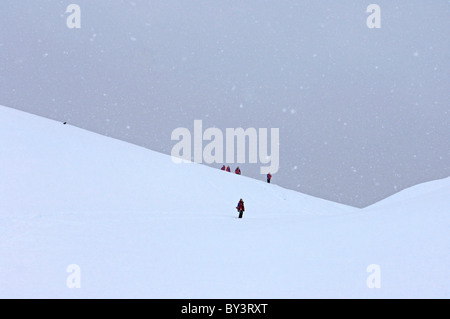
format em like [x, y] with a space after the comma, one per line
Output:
[240, 206]
[238, 171]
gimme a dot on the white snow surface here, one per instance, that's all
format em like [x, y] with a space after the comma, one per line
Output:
[140, 226]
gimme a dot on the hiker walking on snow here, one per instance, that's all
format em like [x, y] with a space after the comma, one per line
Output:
[228, 169]
[238, 170]
[268, 178]
[223, 168]
[240, 208]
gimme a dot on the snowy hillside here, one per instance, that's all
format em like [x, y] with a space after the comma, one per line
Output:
[138, 225]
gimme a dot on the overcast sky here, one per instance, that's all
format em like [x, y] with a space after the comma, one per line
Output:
[362, 113]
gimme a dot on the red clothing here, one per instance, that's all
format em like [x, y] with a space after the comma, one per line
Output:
[228, 168]
[240, 206]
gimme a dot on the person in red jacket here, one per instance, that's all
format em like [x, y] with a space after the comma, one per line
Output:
[237, 170]
[268, 178]
[240, 208]
[228, 169]
[223, 168]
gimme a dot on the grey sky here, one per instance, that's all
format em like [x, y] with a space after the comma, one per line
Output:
[362, 113]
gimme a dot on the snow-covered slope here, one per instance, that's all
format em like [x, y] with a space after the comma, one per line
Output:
[138, 225]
